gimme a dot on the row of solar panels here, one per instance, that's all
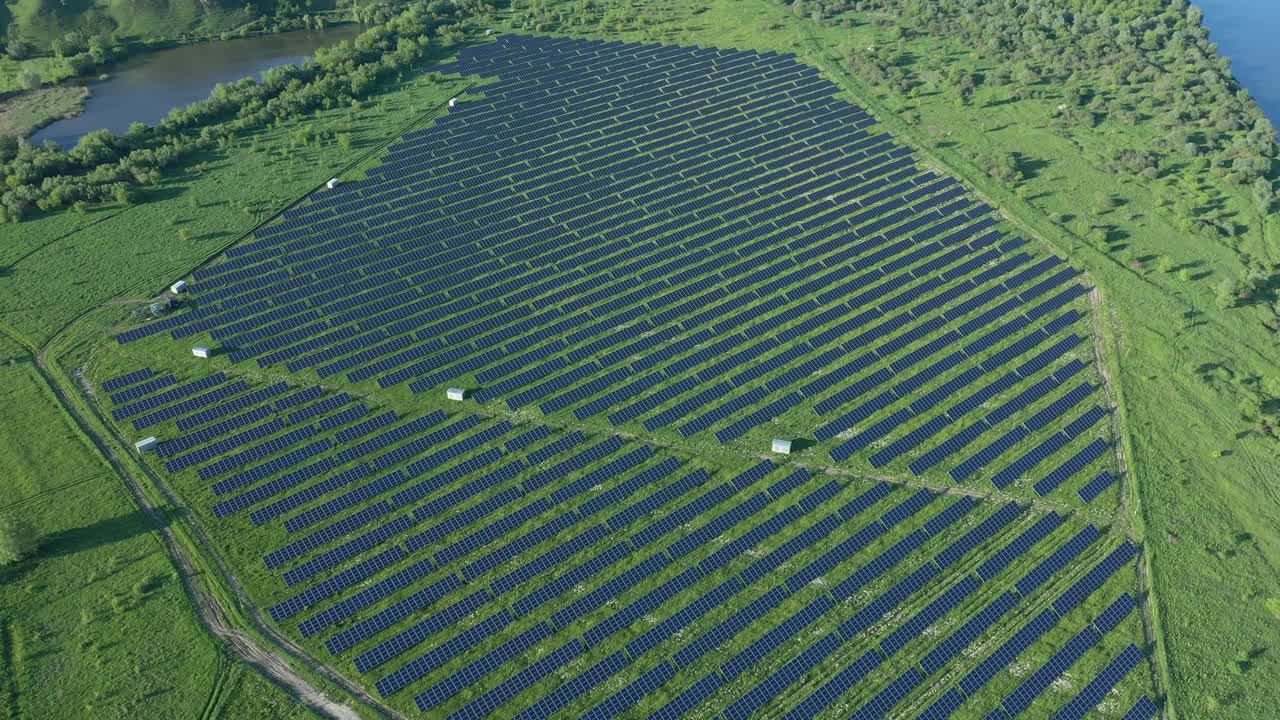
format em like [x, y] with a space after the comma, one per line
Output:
[1056, 560]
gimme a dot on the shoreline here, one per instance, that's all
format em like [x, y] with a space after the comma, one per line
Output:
[25, 112]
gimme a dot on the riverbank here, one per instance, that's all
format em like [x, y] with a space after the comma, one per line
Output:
[26, 112]
[64, 90]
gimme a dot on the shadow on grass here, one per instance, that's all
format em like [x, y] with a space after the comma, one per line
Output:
[103, 532]
[73, 541]
[802, 444]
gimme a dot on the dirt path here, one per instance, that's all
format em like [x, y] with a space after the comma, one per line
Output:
[208, 610]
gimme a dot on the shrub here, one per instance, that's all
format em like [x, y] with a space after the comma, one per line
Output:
[18, 540]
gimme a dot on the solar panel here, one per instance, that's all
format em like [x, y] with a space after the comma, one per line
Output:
[416, 633]
[1096, 486]
[1092, 580]
[891, 695]
[692, 696]
[621, 701]
[1008, 651]
[1094, 693]
[964, 636]
[513, 685]
[468, 674]
[1143, 709]
[1066, 553]
[766, 690]
[1005, 556]
[730, 626]
[1053, 668]
[424, 664]
[126, 379]
[557, 699]
[929, 615]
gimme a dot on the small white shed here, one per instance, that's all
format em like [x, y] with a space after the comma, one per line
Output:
[453, 102]
[455, 393]
[145, 445]
[179, 287]
[782, 446]
[333, 183]
[200, 351]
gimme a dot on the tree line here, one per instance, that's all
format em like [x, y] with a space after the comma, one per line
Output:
[106, 167]
[1127, 60]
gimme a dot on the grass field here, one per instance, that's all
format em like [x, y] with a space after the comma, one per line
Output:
[79, 618]
[281, 464]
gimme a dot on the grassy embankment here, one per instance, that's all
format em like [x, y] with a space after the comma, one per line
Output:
[1206, 496]
[102, 582]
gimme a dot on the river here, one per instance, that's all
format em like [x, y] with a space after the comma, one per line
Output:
[144, 88]
[1245, 31]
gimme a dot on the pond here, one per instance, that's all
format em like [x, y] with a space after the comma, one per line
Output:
[146, 87]
[1245, 31]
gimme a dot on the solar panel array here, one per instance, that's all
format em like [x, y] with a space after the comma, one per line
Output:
[456, 536]
[785, 261]
[693, 241]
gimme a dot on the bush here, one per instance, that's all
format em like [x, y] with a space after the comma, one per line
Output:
[18, 540]
[30, 79]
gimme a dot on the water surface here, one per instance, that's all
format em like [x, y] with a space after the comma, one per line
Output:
[1248, 32]
[146, 87]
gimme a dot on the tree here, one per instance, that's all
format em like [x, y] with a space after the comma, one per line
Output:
[1263, 195]
[17, 540]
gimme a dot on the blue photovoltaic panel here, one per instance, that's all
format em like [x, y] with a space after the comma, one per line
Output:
[1097, 689]
[1094, 579]
[468, 675]
[966, 634]
[727, 628]
[130, 378]
[1008, 651]
[1058, 663]
[693, 696]
[1116, 612]
[891, 695]
[1001, 559]
[1066, 553]
[929, 615]
[579, 685]
[766, 690]
[944, 707]
[681, 619]
[618, 703]
[835, 688]
[1144, 709]
[1096, 486]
